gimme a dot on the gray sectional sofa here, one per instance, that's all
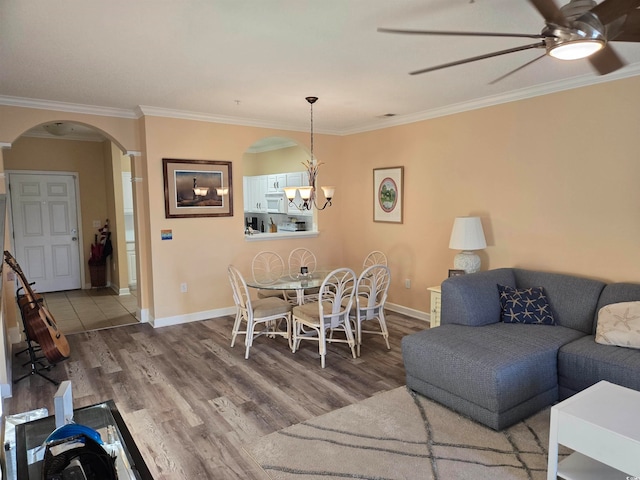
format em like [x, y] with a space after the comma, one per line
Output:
[499, 373]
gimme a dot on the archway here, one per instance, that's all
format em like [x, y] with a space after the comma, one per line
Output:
[98, 161]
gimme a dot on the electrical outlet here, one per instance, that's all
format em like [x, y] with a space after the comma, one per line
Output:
[97, 224]
[407, 283]
[183, 287]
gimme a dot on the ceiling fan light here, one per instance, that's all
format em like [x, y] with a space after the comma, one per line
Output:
[576, 49]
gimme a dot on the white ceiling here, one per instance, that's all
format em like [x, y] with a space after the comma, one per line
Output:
[254, 61]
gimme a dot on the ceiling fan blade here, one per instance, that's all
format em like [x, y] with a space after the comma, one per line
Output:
[629, 31]
[517, 69]
[550, 12]
[609, 10]
[480, 57]
[606, 61]
[467, 34]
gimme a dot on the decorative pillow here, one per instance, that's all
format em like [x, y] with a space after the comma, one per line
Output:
[619, 324]
[526, 305]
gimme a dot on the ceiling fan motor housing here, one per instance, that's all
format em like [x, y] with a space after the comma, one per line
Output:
[584, 27]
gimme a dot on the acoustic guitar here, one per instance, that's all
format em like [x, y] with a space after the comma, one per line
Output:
[39, 323]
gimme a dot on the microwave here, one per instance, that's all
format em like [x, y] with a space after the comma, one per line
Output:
[276, 202]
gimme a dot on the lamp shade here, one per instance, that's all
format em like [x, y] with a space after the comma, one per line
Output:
[467, 234]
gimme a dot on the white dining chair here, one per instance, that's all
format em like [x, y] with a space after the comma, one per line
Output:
[312, 321]
[268, 313]
[375, 257]
[298, 258]
[267, 267]
[301, 257]
[372, 287]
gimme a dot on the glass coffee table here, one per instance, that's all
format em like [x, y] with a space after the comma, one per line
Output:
[103, 417]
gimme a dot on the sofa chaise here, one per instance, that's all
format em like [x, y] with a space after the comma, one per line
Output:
[485, 363]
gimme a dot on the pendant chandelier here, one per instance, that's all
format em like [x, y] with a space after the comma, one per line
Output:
[308, 194]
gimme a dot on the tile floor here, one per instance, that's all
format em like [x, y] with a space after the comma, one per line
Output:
[83, 310]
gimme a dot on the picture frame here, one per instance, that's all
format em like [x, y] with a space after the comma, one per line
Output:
[388, 194]
[456, 273]
[191, 188]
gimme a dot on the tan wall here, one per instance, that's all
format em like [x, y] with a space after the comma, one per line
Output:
[283, 160]
[554, 178]
[117, 262]
[202, 248]
[85, 158]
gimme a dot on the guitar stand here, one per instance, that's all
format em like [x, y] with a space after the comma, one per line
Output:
[37, 363]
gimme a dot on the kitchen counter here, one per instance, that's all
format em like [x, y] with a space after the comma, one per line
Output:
[257, 237]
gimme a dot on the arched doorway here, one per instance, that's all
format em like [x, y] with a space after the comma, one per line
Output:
[95, 166]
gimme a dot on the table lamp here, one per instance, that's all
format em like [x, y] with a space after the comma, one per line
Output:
[467, 235]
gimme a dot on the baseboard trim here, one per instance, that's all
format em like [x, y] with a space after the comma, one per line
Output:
[120, 291]
[192, 317]
[142, 314]
[409, 312]
[223, 312]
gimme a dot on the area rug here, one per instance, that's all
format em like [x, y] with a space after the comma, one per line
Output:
[398, 435]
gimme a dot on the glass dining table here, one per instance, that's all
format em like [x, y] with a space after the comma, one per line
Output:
[298, 283]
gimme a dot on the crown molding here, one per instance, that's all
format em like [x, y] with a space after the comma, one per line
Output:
[522, 94]
[66, 107]
[145, 110]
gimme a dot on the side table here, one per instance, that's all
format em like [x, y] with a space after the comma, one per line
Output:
[434, 318]
[602, 425]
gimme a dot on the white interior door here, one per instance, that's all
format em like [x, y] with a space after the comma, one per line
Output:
[45, 227]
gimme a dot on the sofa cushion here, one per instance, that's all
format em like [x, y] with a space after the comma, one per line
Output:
[473, 299]
[584, 362]
[525, 305]
[573, 299]
[616, 293]
[619, 324]
[497, 366]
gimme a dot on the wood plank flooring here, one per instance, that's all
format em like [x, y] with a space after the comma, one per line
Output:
[192, 402]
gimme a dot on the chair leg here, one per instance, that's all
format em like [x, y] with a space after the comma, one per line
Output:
[236, 328]
[249, 338]
[289, 339]
[350, 340]
[295, 341]
[322, 345]
[358, 334]
[383, 327]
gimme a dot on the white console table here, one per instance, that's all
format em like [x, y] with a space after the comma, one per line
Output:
[602, 425]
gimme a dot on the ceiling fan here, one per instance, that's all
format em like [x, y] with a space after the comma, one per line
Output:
[579, 29]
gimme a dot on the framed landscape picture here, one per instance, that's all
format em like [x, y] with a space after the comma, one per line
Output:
[197, 188]
[387, 194]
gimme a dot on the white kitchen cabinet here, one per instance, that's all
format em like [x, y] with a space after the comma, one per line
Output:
[297, 179]
[255, 187]
[276, 182]
[255, 190]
